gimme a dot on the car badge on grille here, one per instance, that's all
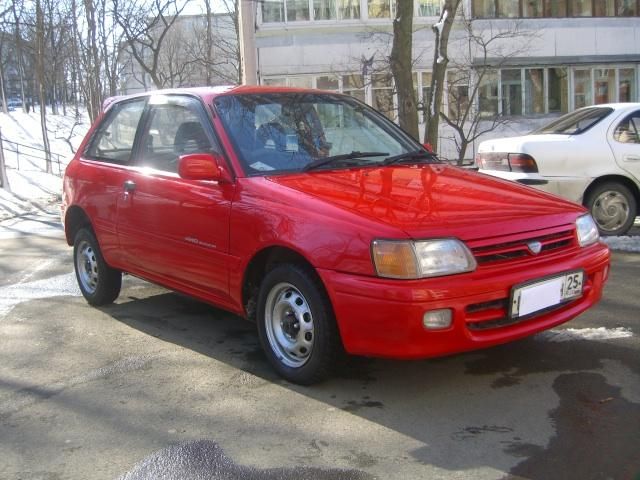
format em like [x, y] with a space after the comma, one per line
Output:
[534, 247]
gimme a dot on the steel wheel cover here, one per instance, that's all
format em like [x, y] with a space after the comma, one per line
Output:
[87, 267]
[289, 325]
[610, 210]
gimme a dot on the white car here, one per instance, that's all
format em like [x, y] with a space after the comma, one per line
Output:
[590, 156]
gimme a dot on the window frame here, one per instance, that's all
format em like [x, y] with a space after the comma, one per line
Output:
[107, 118]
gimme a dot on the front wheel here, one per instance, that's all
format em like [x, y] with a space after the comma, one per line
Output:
[613, 207]
[296, 324]
[99, 283]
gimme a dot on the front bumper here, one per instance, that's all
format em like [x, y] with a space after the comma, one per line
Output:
[382, 317]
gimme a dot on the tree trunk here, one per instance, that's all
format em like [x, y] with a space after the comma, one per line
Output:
[401, 67]
[41, 84]
[18, 39]
[440, 61]
[4, 180]
[209, 61]
[4, 96]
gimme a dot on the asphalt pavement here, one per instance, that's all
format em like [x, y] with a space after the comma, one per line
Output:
[161, 386]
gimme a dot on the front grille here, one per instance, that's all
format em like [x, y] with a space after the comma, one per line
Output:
[551, 242]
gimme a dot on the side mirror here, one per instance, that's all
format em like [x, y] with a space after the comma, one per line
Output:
[427, 146]
[202, 166]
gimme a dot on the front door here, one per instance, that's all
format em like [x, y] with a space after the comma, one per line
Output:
[173, 230]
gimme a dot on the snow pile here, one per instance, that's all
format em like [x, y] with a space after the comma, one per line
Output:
[31, 188]
[623, 244]
[569, 334]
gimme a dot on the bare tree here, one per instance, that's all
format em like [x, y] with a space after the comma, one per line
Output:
[17, 10]
[40, 78]
[471, 75]
[401, 62]
[145, 27]
[433, 104]
[4, 180]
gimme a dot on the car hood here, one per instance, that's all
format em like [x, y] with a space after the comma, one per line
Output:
[428, 201]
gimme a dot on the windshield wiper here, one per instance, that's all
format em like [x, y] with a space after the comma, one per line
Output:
[321, 162]
[411, 157]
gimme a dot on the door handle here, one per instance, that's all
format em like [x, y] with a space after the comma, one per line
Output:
[129, 186]
[631, 158]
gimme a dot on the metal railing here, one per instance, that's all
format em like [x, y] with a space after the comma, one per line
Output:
[25, 157]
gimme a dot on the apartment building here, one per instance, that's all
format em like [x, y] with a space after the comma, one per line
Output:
[545, 57]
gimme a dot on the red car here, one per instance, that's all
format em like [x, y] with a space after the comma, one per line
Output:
[319, 219]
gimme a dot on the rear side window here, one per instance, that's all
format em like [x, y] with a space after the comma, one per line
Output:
[628, 131]
[575, 123]
[113, 140]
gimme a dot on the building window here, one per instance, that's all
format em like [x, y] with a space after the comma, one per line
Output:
[580, 8]
[488, 94]
[328, 83]
[558, 90]
[458, 85]
[379, 8]
[484, 8]
[301, 82]
[534, 88]
[273, 11]
[508, 8]
[382, 94]
[582, 88]
[511, 92]
[274, 82]
[349, 9]
[532, 9]
[324, 10]
[428, 8]
[627, 8]
[554, 8]
[627, 85]
[604, 85]
[353, 85]
[604, 8]
[297, 10]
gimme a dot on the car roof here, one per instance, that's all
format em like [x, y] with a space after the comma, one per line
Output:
[615, 106]
[209, 93]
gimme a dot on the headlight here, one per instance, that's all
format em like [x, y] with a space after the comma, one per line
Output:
[427, 258]
[587, 230]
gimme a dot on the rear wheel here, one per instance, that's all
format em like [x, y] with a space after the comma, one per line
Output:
[296, 324]
[99, 283]
[613, 207]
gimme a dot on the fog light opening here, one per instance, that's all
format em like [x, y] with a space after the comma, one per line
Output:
[437, 319]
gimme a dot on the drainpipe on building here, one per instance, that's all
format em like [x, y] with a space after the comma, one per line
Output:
[247, 40]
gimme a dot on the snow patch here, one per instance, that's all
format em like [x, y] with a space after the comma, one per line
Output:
[572, 334]
[61, 285]
[623, 244]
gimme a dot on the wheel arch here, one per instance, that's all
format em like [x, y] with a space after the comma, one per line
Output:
[262, 262]
[626, 181]
[75, 218]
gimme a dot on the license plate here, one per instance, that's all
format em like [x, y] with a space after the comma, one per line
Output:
[541, 294]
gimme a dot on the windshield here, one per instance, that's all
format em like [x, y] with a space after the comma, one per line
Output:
[292, 132]
[575, 123]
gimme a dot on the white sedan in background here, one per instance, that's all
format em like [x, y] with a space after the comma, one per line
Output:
[590, 156]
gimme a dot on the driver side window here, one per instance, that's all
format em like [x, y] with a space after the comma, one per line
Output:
[175, 128]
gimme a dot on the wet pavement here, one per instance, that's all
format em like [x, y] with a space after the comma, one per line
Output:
[161, 386]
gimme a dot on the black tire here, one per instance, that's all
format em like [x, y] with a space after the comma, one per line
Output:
[99, 283]
[296, 325]
[613, 207]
